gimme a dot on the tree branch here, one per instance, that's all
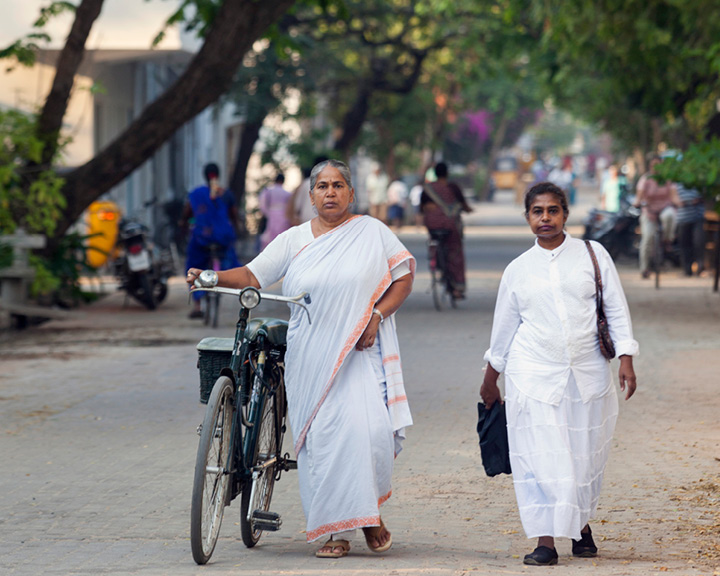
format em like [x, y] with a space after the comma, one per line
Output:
[51, 117]
[237, 25]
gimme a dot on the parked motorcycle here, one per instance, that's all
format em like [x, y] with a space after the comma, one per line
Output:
[141, 271]
[617, 231]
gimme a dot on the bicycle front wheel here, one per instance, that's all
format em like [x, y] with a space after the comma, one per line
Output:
[264, 465]
[212, 476]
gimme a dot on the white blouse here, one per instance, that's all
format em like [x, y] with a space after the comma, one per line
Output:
[545, 325]
[273, 262]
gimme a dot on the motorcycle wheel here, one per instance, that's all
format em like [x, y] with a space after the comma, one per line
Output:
[145, 292]
[160, 291]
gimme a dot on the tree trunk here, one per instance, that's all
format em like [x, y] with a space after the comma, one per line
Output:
[237, 25]
[497, 144]
[354, 120]
[68, 62]
[248, 138]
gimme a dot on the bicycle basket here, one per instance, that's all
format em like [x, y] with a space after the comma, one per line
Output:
[213, 355]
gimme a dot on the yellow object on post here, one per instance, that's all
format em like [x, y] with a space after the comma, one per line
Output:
[103, 217]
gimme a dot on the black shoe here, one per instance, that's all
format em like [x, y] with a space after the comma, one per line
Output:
[585, 547]
[542, 556]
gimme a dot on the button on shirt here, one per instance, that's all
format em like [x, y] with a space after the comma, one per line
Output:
[545, 324]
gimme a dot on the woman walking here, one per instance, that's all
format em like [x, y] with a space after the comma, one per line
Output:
[346, 399]
[560, 399]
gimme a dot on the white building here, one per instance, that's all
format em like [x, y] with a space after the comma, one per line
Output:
[111, 89]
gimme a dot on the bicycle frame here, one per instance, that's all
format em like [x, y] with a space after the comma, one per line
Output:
[243, 445]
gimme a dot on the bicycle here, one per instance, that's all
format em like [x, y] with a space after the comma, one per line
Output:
[211, 300]
[441, 285]
[241, 436]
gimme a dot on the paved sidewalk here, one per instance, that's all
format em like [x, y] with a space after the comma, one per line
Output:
[97, 436]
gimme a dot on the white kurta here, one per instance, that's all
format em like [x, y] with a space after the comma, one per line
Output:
[347, 408]
[560, 400]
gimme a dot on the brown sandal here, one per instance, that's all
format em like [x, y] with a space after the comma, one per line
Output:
[373, 532]
[344, 546]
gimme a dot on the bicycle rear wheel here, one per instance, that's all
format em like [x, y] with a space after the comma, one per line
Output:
[212, 478]
[257, 496]
[437, 288]
[445, 287]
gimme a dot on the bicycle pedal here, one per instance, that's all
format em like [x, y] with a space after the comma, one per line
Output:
[269, 521]
[290, 464]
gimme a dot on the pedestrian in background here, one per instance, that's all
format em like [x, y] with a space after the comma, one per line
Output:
[610, 197]
[560, 400]
[564, 177]
[273, 203]
[442, 202]
[300, 208]
[415, 196]
[690, 220]
[397, 194]
[212, 211]
[376, 185]
[658, 203]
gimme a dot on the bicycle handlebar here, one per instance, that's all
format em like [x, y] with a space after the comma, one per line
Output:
[263, 296]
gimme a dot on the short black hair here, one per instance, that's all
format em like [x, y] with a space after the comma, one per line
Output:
[280, 178]
[211, 170]
[441, 170]
[546, 188]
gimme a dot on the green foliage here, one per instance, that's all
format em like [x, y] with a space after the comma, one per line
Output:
[24, 51]
[6, 255]
[33, 203]
[44, 282]
[698, 167]
[644, 70]
[60, 272]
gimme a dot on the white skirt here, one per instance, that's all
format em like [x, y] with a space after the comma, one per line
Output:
[345, 465]
[558, 456]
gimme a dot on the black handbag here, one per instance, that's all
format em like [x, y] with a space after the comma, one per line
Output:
[607, 347]
[492, 430]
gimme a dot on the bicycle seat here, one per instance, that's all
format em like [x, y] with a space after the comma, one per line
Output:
[273, 329]
[439, 234]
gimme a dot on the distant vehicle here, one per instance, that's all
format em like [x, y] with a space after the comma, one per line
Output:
[505, 173]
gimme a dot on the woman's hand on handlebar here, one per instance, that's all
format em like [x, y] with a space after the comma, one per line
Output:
[232, 278]
[191, 276]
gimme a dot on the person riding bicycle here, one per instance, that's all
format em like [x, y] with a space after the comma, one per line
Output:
[214, 216]
[441, 203]
[658, 203]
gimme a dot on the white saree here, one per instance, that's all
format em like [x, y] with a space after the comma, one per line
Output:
[344, 423]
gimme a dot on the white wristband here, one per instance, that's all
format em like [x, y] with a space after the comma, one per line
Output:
[376, 311]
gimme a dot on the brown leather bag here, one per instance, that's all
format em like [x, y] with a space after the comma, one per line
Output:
[607, 348]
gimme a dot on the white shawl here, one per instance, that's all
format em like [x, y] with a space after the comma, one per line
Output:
[345, 271]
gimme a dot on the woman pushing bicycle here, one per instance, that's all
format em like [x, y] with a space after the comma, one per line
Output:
[346, 399]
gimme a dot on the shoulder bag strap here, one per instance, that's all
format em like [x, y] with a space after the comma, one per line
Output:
[439, 201]
[598, 280]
